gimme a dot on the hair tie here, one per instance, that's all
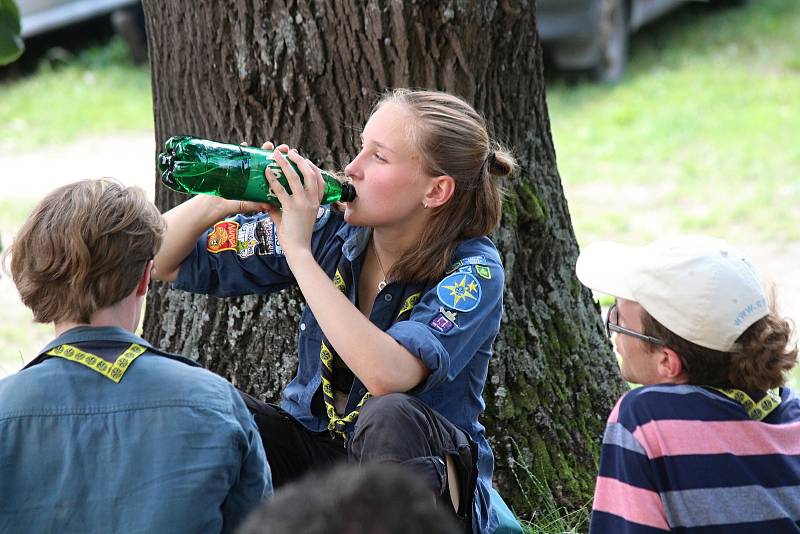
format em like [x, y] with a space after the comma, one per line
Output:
[490, 159]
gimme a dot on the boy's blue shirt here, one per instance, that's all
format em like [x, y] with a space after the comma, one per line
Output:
[170, 448]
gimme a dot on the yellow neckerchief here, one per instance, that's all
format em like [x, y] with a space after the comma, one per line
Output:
[112, 371]
[756, 410]
[337, 424]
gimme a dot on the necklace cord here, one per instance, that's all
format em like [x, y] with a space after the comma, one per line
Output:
[382, 283]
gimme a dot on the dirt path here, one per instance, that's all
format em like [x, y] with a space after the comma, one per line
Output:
[131, 157]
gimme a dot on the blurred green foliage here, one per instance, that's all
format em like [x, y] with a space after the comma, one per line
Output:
[700, 136]
[97, 90]
[11, 45]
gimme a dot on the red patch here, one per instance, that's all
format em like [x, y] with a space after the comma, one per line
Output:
[223, 237]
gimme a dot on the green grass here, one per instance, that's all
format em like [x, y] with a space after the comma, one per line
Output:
[98, 90]
[549, 516]
[552, 518]
[700, 136]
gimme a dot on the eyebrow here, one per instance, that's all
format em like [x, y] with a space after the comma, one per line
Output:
[379, 144]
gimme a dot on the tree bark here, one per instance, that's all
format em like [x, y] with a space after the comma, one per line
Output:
[307, 73]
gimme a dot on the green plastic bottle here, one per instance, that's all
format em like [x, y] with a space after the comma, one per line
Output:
[191, 165]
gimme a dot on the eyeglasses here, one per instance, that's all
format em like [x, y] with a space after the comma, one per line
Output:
[612, 325]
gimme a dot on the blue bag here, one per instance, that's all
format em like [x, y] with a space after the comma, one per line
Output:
[507, 522]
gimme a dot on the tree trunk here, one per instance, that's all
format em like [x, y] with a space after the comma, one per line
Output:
[307, 73]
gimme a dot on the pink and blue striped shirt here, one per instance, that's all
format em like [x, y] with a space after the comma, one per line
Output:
[682, 458]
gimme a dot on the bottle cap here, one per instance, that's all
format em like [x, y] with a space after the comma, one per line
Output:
[348, 192]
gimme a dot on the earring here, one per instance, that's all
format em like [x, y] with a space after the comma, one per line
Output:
[425, 205]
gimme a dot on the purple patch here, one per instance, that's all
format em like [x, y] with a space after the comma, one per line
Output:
[442, 324]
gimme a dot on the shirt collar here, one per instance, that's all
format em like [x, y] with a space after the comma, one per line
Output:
[81, 334]
[356, 239]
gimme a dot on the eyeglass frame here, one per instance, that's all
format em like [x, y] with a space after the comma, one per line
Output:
[617, 329]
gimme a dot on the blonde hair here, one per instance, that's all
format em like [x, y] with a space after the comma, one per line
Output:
[83, 248]
[453, 140]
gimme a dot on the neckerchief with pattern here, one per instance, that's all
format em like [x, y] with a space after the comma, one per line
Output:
[757, 410]
[337, 424]
[113, 370]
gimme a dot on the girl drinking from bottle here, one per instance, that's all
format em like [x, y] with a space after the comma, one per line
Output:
[403, 289]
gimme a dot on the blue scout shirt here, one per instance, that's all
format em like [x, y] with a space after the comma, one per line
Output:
[170, 448]
[451, 328]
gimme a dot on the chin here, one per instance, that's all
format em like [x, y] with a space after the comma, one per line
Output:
[627, 377]
[355, 217]
[348, 214]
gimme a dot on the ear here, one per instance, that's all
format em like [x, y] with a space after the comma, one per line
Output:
[144, 281]
[439, 192]
[670, 366]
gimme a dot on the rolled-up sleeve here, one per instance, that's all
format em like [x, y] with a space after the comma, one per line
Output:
[242, 256]
[455, 319]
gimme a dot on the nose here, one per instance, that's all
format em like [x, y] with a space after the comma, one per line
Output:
[352, 170]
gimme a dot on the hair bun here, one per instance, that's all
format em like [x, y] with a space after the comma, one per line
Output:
[499, 162]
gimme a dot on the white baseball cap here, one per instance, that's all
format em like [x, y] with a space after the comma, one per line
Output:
[698, 287]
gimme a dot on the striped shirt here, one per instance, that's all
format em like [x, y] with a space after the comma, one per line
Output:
[681, 458]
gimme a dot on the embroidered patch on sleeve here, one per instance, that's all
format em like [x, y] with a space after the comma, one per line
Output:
[483, 271]
[247, 242]
[472, 260]
[223, 237]
[444, 321]
[459, 291]
[258, 238]
[441, 323]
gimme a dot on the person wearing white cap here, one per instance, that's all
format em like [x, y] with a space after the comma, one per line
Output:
[711, 442]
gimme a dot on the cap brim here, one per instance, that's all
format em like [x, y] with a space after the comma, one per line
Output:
[607, 266]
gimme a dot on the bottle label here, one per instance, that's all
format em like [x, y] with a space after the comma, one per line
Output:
[223, 237]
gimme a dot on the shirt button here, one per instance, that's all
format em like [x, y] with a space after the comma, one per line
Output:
[302, 326]
[388, 297]
[361, 392]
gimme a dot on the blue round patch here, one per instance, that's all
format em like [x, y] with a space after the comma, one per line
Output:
[460, 291]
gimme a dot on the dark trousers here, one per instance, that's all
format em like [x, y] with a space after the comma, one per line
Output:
[394, 428]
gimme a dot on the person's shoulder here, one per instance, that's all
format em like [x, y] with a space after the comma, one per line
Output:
[665, 401]
[656, 393]
[16, 389]
[185, 380]
[478, 248]
[789, 410]
[172, 368]
[474, 278]
[479, 257]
